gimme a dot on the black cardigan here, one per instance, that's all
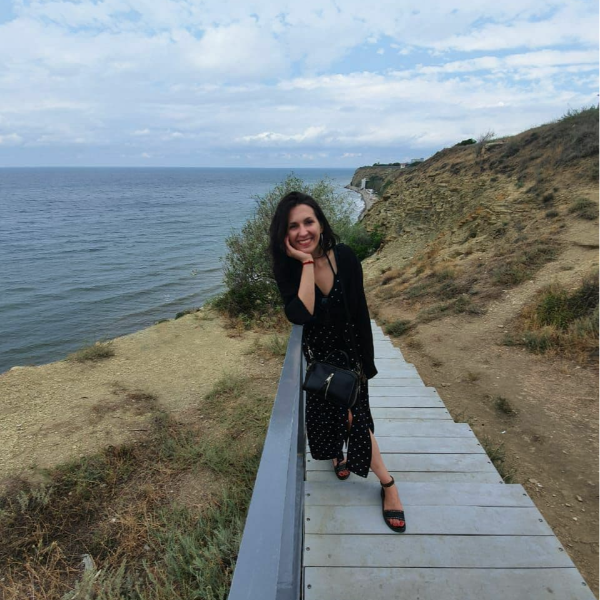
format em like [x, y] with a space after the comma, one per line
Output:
[351, 275]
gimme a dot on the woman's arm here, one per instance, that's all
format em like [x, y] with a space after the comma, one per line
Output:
[363, 322]
[306, 291]
[299, 300]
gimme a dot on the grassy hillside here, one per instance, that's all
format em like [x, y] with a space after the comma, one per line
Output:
[475, 220]
[488, 282]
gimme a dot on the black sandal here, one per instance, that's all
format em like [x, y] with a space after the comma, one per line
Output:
[341, 466]
[392, 514]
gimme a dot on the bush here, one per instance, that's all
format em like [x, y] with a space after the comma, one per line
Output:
[577, 131]
[363, 242]
[466, 142]
[562, 321]
[398, 328]
[584, 208]
[99, 351]
[251, 288]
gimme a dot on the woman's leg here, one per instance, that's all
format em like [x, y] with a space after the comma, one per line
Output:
[343, 472]
[392, 500]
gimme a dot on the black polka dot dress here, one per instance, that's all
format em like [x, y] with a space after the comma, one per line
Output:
[327, 423]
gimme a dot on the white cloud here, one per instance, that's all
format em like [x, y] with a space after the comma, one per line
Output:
[208, 78]
[10, 139]
[268, 137]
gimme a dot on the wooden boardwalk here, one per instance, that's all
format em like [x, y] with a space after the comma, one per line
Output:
[469, 536]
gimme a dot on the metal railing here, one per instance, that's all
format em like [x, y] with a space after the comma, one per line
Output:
[269, 563]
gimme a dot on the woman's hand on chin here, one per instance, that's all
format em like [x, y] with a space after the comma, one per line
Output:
[292, 252]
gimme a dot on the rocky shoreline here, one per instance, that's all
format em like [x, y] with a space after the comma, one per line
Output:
[368, 197]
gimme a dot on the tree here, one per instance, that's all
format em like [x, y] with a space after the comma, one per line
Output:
[251, 288]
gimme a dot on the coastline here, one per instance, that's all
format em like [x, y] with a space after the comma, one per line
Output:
[369, 197]
[61, 410]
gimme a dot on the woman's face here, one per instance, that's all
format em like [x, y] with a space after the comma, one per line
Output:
[304, 229]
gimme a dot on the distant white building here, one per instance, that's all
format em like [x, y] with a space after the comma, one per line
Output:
[363, 183]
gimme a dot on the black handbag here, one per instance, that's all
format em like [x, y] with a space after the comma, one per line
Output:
[335, 384]
[330, 382]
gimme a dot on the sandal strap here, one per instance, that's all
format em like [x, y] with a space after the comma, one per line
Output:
[393, 514]
[390, 484]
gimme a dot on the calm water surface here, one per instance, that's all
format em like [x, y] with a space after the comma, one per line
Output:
[89, 254]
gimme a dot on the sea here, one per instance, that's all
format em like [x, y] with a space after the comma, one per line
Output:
[89, 254]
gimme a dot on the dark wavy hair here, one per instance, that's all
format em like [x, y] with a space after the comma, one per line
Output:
[280, 261]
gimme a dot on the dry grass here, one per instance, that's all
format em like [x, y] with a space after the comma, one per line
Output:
[398, 328]
[497, 454]
[98, 351]
[118, 509]
[560, 321]
[584, 208]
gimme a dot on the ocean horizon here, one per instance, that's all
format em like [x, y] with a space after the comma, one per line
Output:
[93, 253]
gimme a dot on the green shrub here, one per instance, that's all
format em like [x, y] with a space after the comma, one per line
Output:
[548, 198]
[251, 288]
[562, 321]
[577, 132]
[584, 208]
[503, 405]
[398, 327]
[363, 242]
[540, 341]
[466, 142]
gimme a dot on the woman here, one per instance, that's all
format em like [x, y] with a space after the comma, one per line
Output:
[311, 270]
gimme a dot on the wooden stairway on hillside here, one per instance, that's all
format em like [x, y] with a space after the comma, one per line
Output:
[469, 535]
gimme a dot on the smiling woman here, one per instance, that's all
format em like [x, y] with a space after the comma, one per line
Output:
[321, 283]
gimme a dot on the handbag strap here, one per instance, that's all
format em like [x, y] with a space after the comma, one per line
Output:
[348, 320]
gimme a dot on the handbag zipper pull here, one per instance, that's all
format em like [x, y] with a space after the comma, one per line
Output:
[328, 381]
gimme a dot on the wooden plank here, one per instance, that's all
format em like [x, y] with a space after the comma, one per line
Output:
[464, 463]
[390, 363]
[448, 551]
[427, 520]
[477, 477]
[322, 583]
[392, 381]
[409, 413]
[427, 445]
[387, 353]
[399, 382]
[405, 402]
[403, 391]
[357, 491]
[389, 427]
[397, 366]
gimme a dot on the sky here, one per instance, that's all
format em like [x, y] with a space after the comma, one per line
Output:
[269, 83]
